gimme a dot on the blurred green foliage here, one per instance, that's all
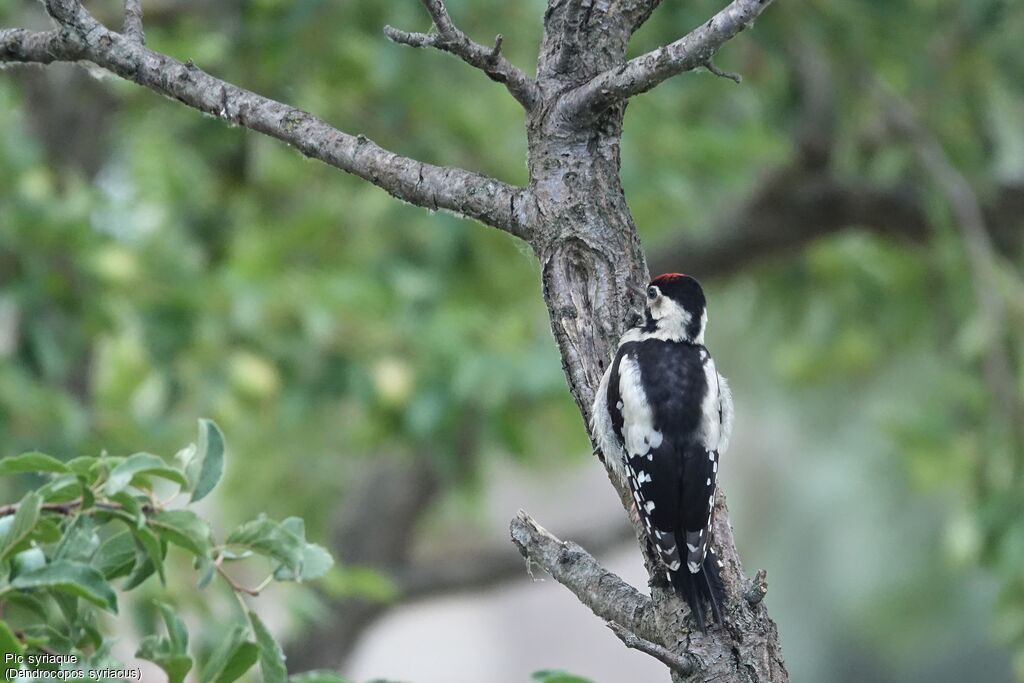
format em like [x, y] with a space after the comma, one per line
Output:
[187, 268]
[96, 520]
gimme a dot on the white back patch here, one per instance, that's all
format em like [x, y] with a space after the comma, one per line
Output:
[638, 430]
[710, 423]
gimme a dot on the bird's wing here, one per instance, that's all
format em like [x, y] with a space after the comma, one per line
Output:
[606, 419]
[697, 502]
[725, 413]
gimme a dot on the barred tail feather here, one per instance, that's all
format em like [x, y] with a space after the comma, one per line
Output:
[704, 586]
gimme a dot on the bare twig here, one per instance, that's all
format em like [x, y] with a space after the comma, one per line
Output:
[457, 190]
[681, 664]
[70, 507]
[605, 593]
[237, 587]
[758, 588]
[642, 73]
[449, 38]
[133, 21]
[728, 75]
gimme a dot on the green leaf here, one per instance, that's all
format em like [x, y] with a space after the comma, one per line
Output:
[24, 521]
[296, 525]
[177, 634]
[28, 561]
[31, 462]
[186, 461]
[116, 556]
[84, 467]
[88, 497]
[44, 634]
[183, 528]
[317, 677]
[170, 653]
[272, 666]
[26, 602]
[72, 578]
[154, 550]
[209, 461]
[90, 631]
[271, 539]
[232, 658]
[207, 568]
[80, 541]
[141, 464]
[143, 570]
[62, 489]
[243, 659]
[130, 505]
[175, 666]
[47, 531]
[316, 562]
[9, 645]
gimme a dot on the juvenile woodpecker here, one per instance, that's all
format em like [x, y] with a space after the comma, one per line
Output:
[662, 418]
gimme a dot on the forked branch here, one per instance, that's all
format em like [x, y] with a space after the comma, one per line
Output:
[642, 73]
[449, 38]
[605, 593]
[133, 21]
[681, 664]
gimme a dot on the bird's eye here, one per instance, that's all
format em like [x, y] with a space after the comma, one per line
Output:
[652, 293]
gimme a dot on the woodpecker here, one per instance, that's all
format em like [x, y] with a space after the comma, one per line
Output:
[662, 417]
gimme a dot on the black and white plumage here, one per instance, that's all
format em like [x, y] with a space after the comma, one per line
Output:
[662, 417]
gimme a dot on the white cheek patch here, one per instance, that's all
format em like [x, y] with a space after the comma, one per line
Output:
[638, 430]
[672, 320]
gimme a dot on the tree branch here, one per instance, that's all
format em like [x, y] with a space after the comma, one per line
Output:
[606, 594]
[637, 12]
[19, 45]
[434, 187]
[642, 73]
[133, 21]
[792, 207]
[449, 38]
[681, 664]
[721, 73]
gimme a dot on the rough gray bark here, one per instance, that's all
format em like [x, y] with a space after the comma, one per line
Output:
[573, 214]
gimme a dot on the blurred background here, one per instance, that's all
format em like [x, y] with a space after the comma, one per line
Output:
[855, 209]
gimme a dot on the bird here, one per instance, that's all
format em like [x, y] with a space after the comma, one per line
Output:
[662, 417]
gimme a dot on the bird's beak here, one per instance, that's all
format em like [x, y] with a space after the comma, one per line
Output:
[638, 290]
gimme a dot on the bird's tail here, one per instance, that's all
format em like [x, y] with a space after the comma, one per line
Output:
[704, 586]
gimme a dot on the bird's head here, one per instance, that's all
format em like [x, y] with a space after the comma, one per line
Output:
[676, 306]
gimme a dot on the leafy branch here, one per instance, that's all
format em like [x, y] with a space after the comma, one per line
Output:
[97, 520]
